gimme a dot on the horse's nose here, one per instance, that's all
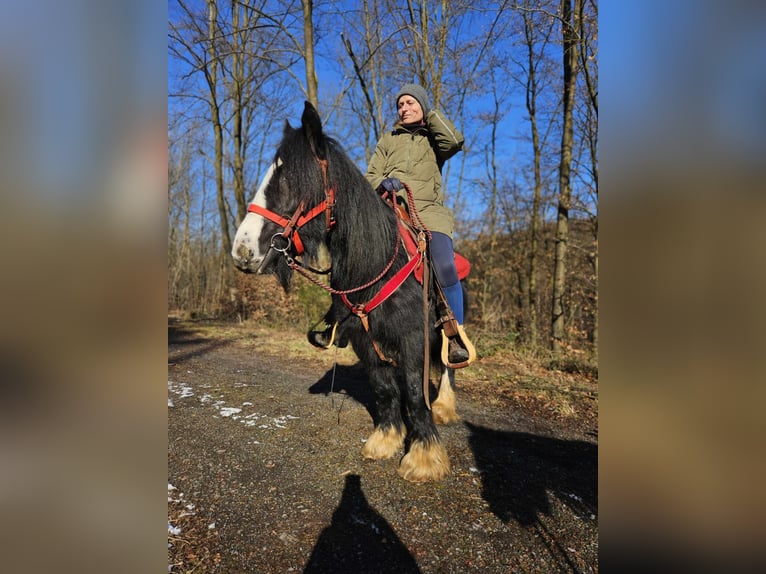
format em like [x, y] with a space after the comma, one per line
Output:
[243, 253]
[244, 259]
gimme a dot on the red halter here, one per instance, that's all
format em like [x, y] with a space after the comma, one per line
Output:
[299, 219]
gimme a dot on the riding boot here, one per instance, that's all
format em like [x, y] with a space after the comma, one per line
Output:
[457, 353]
[451, 313]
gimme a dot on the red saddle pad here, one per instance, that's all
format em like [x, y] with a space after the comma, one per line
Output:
[461, 263]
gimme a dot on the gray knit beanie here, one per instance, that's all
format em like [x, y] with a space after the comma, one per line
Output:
[416, 92]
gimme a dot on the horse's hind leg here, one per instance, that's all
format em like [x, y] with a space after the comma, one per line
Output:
[426, 459]
[388, 436]
[443, 408]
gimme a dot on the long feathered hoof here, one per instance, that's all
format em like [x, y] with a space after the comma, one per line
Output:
[425, 462]
[443, 408]
[383, 444]
[443, 412]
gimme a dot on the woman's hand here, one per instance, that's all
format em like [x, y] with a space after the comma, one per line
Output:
[391, 185]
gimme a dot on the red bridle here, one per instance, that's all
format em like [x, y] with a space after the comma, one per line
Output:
[291, 226]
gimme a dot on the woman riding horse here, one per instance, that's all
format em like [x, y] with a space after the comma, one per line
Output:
[415, 152]
[313, 195]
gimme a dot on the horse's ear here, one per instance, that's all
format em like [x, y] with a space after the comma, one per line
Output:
[312, 127]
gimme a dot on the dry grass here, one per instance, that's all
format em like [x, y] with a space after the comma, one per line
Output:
[564, 387]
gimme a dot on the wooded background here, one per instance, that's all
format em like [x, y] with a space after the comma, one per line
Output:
[519, 79]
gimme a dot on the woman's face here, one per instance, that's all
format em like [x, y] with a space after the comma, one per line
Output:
[409, 110]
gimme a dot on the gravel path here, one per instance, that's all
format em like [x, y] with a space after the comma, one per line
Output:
[265, 475]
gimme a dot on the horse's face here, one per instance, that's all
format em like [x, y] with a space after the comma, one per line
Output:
[293, 179]
[252, 241]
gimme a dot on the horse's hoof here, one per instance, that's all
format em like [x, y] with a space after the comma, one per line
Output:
[383, 444]
[425, 462]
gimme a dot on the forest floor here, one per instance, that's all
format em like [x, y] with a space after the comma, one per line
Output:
[265, 472]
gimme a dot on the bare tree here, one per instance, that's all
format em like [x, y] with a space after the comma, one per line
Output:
[186, 42]
[211, 76]
[488, 300]
[588, 57]
[252, 54]
[537, 28]
[240, 23]
[179, 222]
[312, 84]
[570, 47]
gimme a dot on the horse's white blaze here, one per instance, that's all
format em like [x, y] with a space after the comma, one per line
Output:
[245, 250]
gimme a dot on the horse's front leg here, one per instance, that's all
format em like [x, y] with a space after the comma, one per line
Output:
[443, 408]
[388, 436]
[426, 459]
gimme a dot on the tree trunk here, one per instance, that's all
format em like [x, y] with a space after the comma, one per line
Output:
[215, 118]
[588, 22]
[312, 84]
[238, 79]
[570, 59]
[534, 228]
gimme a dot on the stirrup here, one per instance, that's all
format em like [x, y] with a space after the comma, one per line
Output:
[465, 342]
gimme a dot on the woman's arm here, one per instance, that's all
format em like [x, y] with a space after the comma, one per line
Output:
[377, 165]
[448, 138]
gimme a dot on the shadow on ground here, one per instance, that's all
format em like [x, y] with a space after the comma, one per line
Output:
[359, 539]
[348, 380]
[188, 343]
[521, 471]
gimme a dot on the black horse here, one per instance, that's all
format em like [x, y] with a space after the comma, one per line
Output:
[313, 194]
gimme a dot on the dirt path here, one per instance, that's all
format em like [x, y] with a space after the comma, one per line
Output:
[265, 475]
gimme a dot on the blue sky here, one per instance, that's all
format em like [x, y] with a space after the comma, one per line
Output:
[332, 82]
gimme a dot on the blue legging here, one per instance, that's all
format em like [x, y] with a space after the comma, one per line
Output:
[443, 259]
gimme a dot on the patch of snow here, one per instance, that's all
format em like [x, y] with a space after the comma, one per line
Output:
[181, 389]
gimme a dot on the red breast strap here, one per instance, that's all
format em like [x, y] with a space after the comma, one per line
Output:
[387, 290]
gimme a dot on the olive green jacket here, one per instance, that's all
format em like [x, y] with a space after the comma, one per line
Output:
[415, 155]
